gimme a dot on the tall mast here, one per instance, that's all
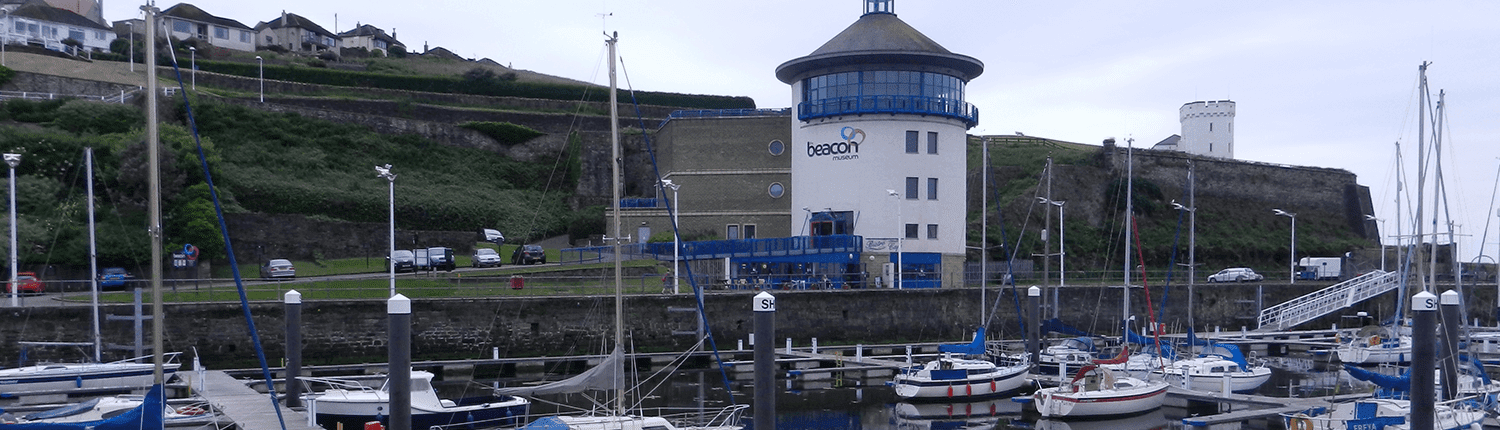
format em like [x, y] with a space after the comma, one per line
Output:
[153, 149]
[1047, 230]
[1421, 165]
[88, 163]
[614, 143]
[984, 229]
[1129, 217]
[1192, 240]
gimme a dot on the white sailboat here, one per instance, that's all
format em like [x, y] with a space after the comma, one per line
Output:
[610, 374]
[963, 378]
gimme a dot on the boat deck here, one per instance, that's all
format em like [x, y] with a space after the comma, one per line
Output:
[250, 410]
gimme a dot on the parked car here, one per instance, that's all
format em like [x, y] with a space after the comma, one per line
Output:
[278, 268]
[113, 278]
[528, 254]
[440, 258]
[1236, 274]
[491, 235]
[28, 282]
[484, 257]
[404, 261]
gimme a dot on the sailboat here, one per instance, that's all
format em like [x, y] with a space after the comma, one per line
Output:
[961, 378]
[610, 374]
[1095, 390]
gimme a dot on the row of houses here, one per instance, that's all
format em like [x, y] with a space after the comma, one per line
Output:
[48, 23]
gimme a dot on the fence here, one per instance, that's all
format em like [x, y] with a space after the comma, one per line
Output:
[121, 98]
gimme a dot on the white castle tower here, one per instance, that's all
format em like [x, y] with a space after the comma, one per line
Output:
[879, 140]
[1207, 128]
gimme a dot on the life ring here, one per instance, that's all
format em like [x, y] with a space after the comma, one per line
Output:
[1374, 340]
[1299, 422]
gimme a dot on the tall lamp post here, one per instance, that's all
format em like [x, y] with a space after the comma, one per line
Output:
[900, 224]
[1382, 241]
[1062, 237]
[193, 57]
[676, 241]
[4, 34]
[385, 172]
[262, 67]
[13, 160]
[132, 44]
[1192, 255]
[1293, 216]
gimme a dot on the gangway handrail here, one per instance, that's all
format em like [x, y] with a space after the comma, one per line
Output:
[1322, 302]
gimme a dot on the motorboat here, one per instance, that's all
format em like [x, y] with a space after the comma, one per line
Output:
[955, 377]
[1064, 358]
[1096, 392]
[194, 413]
[1374, 345]
[1391, 414]
[351, 404]
[1219, 368]
[133, 373]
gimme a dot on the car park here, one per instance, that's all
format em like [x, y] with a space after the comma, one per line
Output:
[1236, 274]
[440, 258]
[278, 268]
[26, 283]
[484, 257]
[113, 278]
[402, 260]
[528, 254]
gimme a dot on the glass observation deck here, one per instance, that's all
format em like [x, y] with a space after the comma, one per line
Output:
[885, 91]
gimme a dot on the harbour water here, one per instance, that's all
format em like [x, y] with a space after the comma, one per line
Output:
[849, 404]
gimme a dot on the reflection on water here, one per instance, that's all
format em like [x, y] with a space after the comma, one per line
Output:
[850, 404]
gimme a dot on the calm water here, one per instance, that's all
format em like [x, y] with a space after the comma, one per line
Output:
[870, 404]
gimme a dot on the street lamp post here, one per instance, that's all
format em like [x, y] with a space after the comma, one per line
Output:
[193, 57]
[1192, 248]
[1382, 242]
[132, 44]
[1293, 216]
[676, 241]
[385, 172]
[13, 160]
[4, 34]
[1062, 237]
[262, 66]
[901, 225]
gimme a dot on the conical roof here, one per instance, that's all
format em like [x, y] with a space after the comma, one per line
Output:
[876, 39]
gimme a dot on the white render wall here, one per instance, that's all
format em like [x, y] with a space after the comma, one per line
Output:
[1207, 128]
[855, 177]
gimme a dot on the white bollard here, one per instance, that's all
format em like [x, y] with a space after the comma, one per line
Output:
[495, 353]
[740, 346]
[312, 412]
[908, 356]
[815, 345]
[789, 345]
[859, 352]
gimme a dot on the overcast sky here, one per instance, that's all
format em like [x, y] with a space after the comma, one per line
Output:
[1327, 84]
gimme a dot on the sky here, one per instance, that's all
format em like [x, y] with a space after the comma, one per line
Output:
[1327, 84]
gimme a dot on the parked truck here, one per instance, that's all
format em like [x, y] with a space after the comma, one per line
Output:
[1320, 268]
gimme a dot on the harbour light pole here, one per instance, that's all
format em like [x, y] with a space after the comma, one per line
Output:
[676, 241]
[900, 224]
[1382, 241]
[13, 160]
[262, 67]
[1192, 248]
[385, 172]
[193, 57]
[1293, 216]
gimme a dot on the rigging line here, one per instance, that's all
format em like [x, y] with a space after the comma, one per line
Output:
[58, 220]
[1150, 313]
[1009, 270]
[1485, 237]
[676, 230]
[568, 149]
[1176, 249]
[260, 353]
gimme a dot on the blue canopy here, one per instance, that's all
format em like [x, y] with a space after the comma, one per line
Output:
[1163, 348]
[146, 416]
[1056, 326]
[972, 348]
[1229, 351]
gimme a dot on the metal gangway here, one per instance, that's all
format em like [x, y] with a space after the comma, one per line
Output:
[1325, 301]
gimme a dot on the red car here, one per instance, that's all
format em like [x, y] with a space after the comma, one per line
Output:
[29, 284]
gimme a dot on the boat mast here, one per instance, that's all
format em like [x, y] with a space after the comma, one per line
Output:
[88, 163]
[153, 150]
[1421, 164]
[984, 229]
[1129, 216]
[614, 143]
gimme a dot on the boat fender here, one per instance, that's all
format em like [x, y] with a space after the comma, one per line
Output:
[191, 410]
[968, 390]
[992, 386]
[950, 391]
[374, 425]
[1300, 422]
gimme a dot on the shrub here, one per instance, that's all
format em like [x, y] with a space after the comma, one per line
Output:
[398, 51]
[80, 116]
[6, 74]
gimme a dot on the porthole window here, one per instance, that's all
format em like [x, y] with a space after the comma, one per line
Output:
[776, 147]
[776, 190]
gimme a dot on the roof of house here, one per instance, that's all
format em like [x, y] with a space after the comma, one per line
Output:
[880, 38]
[295, 21]
[367, 30]
[42, 12]
[441, 52]
[193, 13]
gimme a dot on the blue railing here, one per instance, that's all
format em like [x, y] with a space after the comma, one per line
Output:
[713, 249]
[889, 104]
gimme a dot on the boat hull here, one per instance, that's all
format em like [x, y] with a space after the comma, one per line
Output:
[1061, 402]
[923, 386]
[77, 376]
[353, 415]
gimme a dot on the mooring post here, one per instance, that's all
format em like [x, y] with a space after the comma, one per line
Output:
[292, 302]
[1424, 304]
[398, 311]
[1033, 323]
[1449, 303]
[765, 360]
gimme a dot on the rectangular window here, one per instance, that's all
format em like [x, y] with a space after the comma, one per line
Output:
[98, 35]
[180, 26]
[732, 232]
[1210, 147]
[932, 189]
[749, 230]
[1210, 126]
[268, 40]
[932, 231]
[911, 141]
[75, 35]
[221, 33]
[911, 188]
[932, 142]
[244, 36]
[911, 231]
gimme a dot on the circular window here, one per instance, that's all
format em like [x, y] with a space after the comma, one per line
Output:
[777, 148]
[776, 190]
